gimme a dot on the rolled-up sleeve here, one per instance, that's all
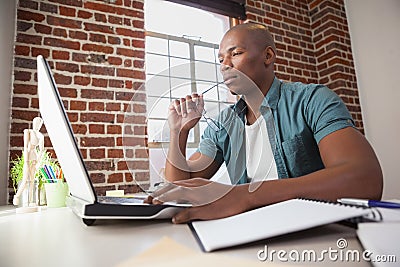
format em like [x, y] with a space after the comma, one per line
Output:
[326, 112]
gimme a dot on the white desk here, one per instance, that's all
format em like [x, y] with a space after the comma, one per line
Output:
[56, 237]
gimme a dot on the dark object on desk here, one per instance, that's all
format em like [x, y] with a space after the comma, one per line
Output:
[82, 199]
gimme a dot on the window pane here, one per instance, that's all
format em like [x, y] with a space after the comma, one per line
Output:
[157, 107]
[180, 87]
[156, 64]
[180, 68]
[206, 71]
[212, 109]
[178, 20]
[179, 49]
[209, 95]
[156, 45]
[204, 53]
[158, 130]
[157, 85]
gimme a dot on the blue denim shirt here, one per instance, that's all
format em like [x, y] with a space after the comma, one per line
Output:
[298, 116]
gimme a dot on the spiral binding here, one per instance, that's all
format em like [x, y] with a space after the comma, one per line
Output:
[374, 216]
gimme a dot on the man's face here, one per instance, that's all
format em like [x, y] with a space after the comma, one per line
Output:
[242, 62]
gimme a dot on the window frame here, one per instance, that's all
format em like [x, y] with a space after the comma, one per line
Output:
[192, 43]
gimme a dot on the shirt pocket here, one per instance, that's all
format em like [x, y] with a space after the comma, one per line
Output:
[296, 157]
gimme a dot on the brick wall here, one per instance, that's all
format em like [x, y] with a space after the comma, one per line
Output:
[96, 51]
[313, 43]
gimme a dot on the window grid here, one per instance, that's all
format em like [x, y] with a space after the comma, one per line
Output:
[194, 82]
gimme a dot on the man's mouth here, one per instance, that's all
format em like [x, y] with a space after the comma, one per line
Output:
[229, 79]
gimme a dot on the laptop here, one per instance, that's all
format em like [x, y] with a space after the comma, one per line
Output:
[82, 198]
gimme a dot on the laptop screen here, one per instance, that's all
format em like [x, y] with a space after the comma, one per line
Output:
[61, 135]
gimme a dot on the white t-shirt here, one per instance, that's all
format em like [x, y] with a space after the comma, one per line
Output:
[260, 160]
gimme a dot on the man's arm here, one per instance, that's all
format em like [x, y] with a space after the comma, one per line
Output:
[351, 170]
[183, 115]
[178, 168]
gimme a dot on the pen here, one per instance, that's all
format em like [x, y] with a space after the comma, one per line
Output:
[45, 175]
[218, 83]
[52, 173]
[369, 203]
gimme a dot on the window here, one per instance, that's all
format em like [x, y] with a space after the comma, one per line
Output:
[181, 58]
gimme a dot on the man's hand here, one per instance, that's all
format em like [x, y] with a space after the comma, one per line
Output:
[185, 113]
[210, 200]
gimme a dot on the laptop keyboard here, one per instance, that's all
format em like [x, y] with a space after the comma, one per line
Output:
[119, 200]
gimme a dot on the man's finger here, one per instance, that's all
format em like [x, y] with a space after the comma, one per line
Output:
[166, 187]
[183, 216]
[177, 106]
[183, 107]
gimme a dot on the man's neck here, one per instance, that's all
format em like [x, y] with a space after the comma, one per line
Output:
[254, 100]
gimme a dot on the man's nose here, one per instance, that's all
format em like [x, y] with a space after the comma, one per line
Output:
[224, 67]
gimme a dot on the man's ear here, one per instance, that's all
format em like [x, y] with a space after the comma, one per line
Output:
[270, 56]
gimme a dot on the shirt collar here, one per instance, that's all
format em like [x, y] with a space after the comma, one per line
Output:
[272, 97]
[270, 100]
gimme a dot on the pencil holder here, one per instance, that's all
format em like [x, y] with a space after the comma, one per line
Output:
[56, 194]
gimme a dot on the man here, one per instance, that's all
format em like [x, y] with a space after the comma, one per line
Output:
[306, 129]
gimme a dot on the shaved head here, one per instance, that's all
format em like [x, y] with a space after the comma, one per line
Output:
[257, 32]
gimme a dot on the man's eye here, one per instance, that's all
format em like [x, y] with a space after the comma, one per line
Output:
[235, 53]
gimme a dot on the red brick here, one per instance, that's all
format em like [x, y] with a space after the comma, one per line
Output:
[97, 117]
[97, 28]
[96, 94]
[100, 17]
[77, 105]
[96, 129]
[114, 40]
[22, 50]
[114, 60]
[98, 38]
[97, 142]
[115, 178]
[102, 165]
[99, 82]
[98, 70]
[20, 102]
[79, 57]
[130, 33]
[98, 48]
[28, 16]
[96, 106]
[60, 32]
[131, 73]
[97, 178]
[82, 80]
[56, 42]
[113, 107]
[62, 79]
[84, 14]
[69, 67]
[22, 75]
[78, 35]
[114, 129]
[115, 153]
[29, 39]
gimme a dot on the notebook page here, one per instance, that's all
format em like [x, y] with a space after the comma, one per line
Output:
[269, 221]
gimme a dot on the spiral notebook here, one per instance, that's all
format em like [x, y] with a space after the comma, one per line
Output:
[273, 220]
